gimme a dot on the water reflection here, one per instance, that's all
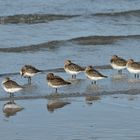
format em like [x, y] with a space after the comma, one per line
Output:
[119, 81]
[131, 97]
[90, 99]
[134, 81]
[119, 77]
[76, 81]
[11, 108]
[29, 87]
[94, 88]
[54, 104]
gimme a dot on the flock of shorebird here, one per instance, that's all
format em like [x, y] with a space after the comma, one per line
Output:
[55, 81]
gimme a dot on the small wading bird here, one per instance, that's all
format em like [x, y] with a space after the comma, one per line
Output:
[11, 86]
[56, 81]
[29, 71]
[118, 63]
[93, 74]
[133, 67]
[72, 68]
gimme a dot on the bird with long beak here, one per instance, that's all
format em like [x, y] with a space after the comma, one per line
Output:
[29, 71]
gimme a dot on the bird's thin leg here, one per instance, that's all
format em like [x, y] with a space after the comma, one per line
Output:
[29, 80]
[119, 71]
[10, 95]
[56, 90]
[12, 100]
[135, 75]
[95, 82]
[138, 76]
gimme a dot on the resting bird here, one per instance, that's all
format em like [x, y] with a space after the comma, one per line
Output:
[93, 74]
[11, 86]
[118, 63]
[133, 67]
[56, 81]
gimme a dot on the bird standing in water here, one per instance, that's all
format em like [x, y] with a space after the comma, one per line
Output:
[118, 63]
[11, 86]
[72, 68]
[29, 71]
[56, 81]
[93, 74]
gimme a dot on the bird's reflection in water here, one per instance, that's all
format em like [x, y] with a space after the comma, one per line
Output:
[76, 81]
[76, 84]
[131, 97]
[30, 87]
[89, 99]
[133, 81]
[119, 77]
[56, 104]
[11, 108]
[94, 88]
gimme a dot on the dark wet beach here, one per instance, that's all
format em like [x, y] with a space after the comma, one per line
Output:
[45, 34]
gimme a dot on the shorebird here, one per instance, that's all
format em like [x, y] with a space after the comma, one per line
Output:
[56, 81]
[29, 71]
[11, 86]
[133, 67]
[93, 74]
[118, 63]
[72, 68]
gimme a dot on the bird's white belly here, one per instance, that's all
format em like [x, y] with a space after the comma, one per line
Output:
[29, 74]
[54, 86]
[72, 72]
[131, 70]
[11, 90]
[95, 78]
[117, 67]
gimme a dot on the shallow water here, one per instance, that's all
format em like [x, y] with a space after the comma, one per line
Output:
[108, 118]
[45, 34]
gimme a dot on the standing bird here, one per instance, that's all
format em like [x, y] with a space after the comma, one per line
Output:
[133, 67]
[72, 68]
[118, 63]
[11, 86]
[28, 71]
[56, 81]
[94, 74]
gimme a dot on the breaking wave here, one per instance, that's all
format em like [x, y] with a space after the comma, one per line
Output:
[42, 18]
[32, 18]
[89, 40]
